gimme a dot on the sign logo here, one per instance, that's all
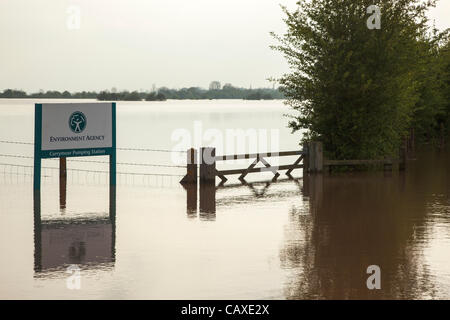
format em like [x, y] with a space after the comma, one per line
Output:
[77, 122]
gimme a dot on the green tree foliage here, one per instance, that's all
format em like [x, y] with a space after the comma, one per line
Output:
[354, 88]
[430, 111]
[444, 62]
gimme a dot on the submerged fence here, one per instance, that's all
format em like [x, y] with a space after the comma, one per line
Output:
[208, 160]
[311, 160]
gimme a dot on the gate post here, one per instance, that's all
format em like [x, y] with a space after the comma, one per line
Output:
[207, 183]
[305, 160]
[311, 157]
[319, 156]
[208, 165]
[315, 151]
[191, 166]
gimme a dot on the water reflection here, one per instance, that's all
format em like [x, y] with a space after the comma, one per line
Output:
[191, 199]
[260, 192]
[356, 221]
[85, 242]
[326, 231]
[348, 222]
[207, 200]
[208, 194]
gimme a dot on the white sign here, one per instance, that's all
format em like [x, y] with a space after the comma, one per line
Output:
[76, 126]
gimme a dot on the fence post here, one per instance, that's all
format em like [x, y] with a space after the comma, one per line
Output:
[319, 156]
[315, 151]
[311, 157]
[191, 166]
[208, 165]
[207, 183]
[62, 182]
[305, 160]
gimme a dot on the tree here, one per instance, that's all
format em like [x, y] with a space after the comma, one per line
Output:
[429, 113]
[214, 85]
[353, 87]
[444, 58]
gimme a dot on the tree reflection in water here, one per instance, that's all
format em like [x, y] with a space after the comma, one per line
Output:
[362, 219]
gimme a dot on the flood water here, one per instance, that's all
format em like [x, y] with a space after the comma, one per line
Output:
[307, 238]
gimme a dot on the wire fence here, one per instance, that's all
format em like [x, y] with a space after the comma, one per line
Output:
[129, 173]
[121, 149]
[151, 150]
[93, 171]
[95, 161]
[16, 142]
[11, 174]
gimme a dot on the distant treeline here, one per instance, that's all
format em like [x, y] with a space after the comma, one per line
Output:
[162, 94]
[19, 94]
[194, 93]
[226, 92]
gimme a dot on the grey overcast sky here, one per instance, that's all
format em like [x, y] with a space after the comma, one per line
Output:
[133, 44]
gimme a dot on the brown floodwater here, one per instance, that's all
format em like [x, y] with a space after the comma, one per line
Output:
[399, 221]
[307, 238]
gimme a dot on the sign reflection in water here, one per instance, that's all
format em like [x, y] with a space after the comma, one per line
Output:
[60, 243]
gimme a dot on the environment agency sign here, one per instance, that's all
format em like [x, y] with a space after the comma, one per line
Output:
[74, 130]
